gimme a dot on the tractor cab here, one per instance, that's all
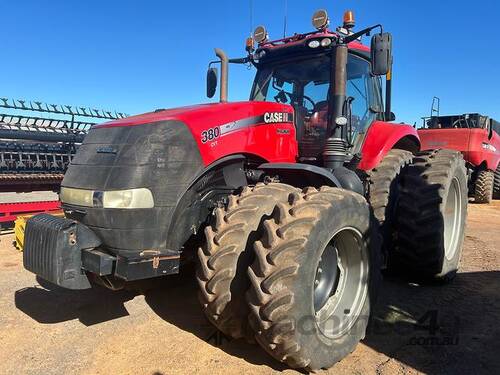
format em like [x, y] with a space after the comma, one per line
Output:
[298, 71]
[331, 80]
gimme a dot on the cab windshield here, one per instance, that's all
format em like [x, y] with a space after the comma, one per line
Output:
[304, 84]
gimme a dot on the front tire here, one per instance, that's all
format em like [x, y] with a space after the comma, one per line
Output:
[314, 278]
[226, 254]
[431, 216]
[483, 191]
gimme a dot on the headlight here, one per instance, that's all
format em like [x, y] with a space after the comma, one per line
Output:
[131, 198]
[313, 44]
[326, 42]
[79, 197]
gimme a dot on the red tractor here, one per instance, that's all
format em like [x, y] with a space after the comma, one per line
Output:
[282, 200]
[477, 137]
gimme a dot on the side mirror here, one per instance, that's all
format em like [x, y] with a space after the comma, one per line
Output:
[392, 117]
[211, 82]
[381, 53]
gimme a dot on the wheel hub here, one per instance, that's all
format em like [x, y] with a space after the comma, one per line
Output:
[327, 277]
[452, 219]
[341, 283]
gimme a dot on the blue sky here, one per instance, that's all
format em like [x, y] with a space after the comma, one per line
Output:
[135, 56]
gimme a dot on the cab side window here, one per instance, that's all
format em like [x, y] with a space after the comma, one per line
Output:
[365, 91]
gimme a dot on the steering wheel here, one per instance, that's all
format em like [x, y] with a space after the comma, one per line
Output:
[458, 123]
[294, 97]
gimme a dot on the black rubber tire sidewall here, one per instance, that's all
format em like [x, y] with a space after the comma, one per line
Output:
[322, 350]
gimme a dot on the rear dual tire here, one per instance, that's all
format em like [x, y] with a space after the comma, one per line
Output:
[431, 216]
[383, 192]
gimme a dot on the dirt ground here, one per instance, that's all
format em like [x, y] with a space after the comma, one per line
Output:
[48, 330]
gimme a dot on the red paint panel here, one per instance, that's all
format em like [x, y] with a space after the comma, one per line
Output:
[380, 139]
[273, 142]
[473, 143]
[10, 211]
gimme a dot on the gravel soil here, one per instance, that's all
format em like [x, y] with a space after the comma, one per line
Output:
[416, 328]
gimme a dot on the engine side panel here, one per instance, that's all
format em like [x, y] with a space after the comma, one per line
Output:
[260, 128]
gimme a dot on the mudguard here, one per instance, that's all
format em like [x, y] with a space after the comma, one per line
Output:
[301, 175]
[383, 137]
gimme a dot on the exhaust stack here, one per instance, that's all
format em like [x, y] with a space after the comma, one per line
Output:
[223, 74]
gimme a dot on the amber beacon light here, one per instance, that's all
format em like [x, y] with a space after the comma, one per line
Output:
[349, 19]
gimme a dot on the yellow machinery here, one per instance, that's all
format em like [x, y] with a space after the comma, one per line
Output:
[20, 225]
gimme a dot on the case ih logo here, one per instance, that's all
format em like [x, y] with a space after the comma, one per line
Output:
[274, 117]
[211, 134]
[488, 146]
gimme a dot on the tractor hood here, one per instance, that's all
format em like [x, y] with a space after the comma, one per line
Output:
[165, 152]
[214, 122]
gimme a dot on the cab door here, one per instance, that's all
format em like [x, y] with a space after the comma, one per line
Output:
[363, 90]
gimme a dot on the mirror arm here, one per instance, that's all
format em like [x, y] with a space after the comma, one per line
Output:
[388, 93]
[353, 37]
[243, 60]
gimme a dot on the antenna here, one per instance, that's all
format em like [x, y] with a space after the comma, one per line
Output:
[285, 20]
[251, 17]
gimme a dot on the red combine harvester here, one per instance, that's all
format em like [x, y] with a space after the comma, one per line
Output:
[35, 150]
[477, 137]
[282, 200]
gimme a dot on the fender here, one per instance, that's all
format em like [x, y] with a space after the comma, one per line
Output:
[298, 174]
[231, 159]
[383, 137]
[211, 185]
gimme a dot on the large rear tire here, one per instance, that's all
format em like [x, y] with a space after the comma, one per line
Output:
[227, 253]
[314, 277]
[431, 216]
[483, 191]
[496, 184]
[383, 191]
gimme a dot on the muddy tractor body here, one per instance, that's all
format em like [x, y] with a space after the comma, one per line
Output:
[290, 203]
[477, 137]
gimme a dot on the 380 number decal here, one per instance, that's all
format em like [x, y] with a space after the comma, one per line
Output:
[210, 134]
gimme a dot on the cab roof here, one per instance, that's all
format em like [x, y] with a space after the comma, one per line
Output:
[304, 39]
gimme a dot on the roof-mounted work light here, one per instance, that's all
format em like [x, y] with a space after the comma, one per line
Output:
[320, 19]
[260, 34]
[249, 45]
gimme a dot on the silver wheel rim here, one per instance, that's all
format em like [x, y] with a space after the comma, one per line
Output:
[347, 295]
[452, 219]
